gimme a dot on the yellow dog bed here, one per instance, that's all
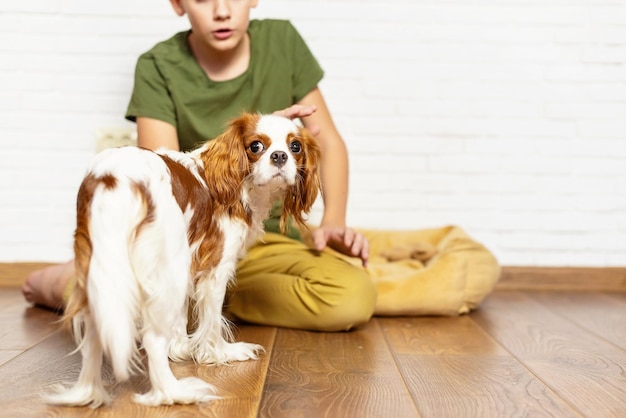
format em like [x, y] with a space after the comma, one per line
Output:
[429, 272]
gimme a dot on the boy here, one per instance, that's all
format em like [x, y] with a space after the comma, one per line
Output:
[186, 88]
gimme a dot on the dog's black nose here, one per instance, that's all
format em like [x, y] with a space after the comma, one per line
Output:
[279, 158]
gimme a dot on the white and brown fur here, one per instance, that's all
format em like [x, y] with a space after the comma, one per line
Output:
[156, 230]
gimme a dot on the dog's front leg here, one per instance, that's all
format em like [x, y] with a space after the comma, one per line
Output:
[212, 340]
[180, 346]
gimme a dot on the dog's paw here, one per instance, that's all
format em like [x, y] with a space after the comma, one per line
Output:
[180, 349]
[187, 390]
[227, 353]
[241, 351]
[78, 395]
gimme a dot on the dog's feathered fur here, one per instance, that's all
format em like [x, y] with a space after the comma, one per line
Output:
[157, 229]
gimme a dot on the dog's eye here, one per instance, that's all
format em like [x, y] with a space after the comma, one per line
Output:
[295, 147]
[256, 147]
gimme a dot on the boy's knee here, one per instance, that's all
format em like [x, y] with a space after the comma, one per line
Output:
[354, 306]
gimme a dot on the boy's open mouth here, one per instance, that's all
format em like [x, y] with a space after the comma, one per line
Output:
[223, 33]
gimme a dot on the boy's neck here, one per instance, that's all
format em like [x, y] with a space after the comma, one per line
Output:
[222, 65]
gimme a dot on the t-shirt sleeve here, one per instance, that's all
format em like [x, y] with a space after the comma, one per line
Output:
[151, 96]
[307, 70]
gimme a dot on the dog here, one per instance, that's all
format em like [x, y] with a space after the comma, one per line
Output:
[156, 230]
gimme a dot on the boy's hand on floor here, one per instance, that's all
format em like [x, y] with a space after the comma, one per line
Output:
[344, 240]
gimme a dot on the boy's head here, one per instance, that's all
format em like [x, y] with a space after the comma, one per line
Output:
[221, 24]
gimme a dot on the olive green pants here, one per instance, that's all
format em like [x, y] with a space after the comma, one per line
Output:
[283, 282]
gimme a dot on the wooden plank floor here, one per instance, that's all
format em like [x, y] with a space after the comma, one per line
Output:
[524, 353]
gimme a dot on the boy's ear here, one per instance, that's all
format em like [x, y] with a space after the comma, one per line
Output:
[177, 5]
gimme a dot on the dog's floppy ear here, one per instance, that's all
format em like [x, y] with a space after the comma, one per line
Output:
[226, 162]
[301, 197]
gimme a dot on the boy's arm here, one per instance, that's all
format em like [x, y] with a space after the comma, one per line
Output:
[153, 134]
[334, 172]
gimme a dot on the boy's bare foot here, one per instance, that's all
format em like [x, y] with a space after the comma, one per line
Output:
[45, 287]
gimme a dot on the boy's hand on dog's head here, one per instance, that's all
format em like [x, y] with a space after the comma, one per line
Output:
[299, 111]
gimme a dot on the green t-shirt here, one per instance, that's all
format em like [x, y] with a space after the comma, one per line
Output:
[171, 86]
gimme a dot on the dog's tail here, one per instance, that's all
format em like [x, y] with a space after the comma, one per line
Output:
[106, 287]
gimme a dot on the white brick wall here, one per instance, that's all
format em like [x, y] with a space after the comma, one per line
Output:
[506, 117]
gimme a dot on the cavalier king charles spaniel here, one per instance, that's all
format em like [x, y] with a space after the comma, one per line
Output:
[159, 230]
